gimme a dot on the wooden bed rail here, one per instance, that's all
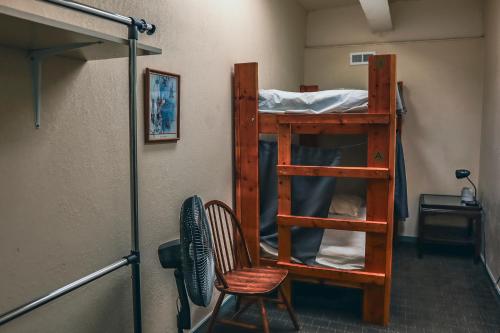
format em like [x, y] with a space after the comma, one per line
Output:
[356, 276]
[379, 124]
[325, 120]
[332, 223]
[333, 124]
[341, 172]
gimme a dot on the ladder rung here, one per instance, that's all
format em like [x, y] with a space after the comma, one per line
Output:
[336, 118]
[328, 273]
[322, 171]
[328, 223]
[268, 124]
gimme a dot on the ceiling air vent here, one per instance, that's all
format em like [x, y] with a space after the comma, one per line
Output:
[360, 58]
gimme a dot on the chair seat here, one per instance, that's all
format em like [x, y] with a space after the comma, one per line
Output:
[253, 281]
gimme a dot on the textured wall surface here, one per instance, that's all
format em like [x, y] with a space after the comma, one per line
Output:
[412, 20]
[443, 90]
[64, 204]
[489, 182]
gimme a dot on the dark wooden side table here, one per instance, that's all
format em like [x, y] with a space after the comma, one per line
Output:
[432, 204]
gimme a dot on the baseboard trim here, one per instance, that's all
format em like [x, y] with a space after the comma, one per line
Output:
[492, 277]
[207, 317]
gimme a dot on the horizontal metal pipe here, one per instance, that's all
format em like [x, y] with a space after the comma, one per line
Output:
[28, 307]
[93, 11]
[141, 25]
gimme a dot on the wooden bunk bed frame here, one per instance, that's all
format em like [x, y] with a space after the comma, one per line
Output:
[379, 124]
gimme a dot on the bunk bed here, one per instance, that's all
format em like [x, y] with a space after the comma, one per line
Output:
[378, 123]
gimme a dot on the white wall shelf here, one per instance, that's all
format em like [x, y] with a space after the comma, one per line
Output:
[42, 37]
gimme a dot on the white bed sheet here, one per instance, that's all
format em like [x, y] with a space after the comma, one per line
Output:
[343, 249]
[325, 101]
[339, 249]
[272, 252]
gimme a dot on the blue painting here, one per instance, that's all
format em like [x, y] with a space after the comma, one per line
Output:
[163, 109]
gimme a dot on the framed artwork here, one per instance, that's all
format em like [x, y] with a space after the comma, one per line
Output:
[162, 106]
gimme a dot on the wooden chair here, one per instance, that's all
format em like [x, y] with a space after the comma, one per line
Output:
[235, 273]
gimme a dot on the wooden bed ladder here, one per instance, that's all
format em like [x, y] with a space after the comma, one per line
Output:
[380, 126]
[379, 173]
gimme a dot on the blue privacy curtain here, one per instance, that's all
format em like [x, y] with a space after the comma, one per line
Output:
[400, 195]
[311, 196]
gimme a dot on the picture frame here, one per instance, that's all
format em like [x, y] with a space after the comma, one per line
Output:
[161, 106]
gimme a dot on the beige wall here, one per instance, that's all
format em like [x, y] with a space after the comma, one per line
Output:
[489, 182]
[412, 20]
[64, 203]
[443, 90]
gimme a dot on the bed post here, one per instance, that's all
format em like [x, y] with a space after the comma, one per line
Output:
[310, 88]
[246, 126]
[285, 202]
[380, 193]
[308, 139]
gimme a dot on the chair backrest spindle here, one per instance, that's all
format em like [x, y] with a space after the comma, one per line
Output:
[230, 248]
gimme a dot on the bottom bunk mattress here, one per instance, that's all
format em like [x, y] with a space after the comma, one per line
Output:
[340, 249]
[310, 196]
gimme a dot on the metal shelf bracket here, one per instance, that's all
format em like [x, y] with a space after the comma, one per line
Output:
[36, 58]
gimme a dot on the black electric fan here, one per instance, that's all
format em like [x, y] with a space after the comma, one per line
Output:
[192, 258]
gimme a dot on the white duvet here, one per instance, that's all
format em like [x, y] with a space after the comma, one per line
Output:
[326, 101]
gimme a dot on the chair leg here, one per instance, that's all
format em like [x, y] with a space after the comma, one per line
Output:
[286, 290]
[215, 312]
[265, 322]
[289, 308]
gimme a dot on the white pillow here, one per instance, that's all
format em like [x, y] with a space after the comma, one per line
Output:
[343, 204]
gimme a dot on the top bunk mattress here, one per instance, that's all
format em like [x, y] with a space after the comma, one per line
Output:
[326, 101]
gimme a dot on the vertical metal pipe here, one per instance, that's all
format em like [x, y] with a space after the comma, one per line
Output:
[134, 202]
[134, 205]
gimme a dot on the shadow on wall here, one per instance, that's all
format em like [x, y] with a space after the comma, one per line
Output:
[57, 75]
[107, 298]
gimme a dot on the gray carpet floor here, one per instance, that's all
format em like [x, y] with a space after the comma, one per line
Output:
[442, 292]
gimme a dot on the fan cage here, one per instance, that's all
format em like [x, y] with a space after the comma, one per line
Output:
[198, 264]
